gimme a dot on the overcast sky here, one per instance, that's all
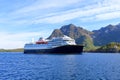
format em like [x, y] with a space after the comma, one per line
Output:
[21, 20]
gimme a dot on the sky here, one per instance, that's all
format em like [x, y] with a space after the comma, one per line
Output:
[22, 20]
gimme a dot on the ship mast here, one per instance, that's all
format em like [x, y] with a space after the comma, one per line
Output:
[33, 40]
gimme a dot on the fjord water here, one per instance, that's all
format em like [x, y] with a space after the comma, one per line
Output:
[88, 66]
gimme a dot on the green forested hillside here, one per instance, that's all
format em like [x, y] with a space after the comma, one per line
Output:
[12, 50]
[111, 47]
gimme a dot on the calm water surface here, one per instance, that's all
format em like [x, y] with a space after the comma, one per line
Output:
[92, 66]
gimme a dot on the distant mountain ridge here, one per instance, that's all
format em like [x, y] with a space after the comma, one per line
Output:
[105, 35]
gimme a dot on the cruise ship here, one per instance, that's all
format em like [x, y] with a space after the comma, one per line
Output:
[63, 44]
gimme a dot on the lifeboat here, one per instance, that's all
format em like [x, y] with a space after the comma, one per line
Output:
[41, 42]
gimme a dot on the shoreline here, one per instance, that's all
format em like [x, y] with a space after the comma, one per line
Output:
[22, 50]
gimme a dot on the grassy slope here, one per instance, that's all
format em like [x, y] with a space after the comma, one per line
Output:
[12, 50]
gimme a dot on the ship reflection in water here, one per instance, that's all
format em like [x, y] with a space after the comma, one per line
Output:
[63, 44]
[91, 66]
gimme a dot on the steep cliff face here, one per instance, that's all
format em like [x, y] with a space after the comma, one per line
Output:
[80, 35]
[56, 33]
[105, 35]
[74, 31]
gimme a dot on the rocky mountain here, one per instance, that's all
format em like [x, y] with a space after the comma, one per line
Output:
[80, 35]
[105, 35]
[56, 33]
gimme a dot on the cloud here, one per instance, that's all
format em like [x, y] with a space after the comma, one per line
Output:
[27, 14]
[101, 17]
[52, 11]
[59, 17]
[97, 13]
[108, 16]
[10, 40]
[42, 4]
